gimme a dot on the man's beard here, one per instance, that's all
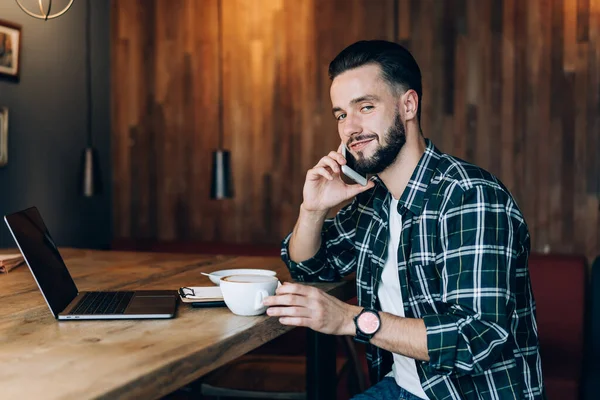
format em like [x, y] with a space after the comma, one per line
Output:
[385, 155]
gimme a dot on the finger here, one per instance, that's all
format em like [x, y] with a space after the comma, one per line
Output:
[302, 312]
[329, 162]
[285, 300]
[320, 171]
[294, 288]
[294, 321]
[338, 157]
[356, 189]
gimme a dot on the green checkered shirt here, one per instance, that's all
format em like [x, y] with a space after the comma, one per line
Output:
[462, 263]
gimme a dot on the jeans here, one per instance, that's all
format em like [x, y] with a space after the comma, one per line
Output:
[387, 389]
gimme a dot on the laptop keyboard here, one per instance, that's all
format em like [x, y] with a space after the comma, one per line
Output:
[94, 303]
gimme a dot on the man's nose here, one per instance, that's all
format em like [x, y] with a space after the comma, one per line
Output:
[352, 126]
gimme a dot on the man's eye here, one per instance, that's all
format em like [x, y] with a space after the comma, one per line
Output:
[367, 108]
[341, 117]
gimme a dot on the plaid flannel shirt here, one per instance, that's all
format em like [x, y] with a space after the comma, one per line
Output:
[462, 263]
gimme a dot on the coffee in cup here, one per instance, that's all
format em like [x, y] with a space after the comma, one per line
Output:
[244, 293]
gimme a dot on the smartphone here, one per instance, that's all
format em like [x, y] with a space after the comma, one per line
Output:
[208, 304]
[349, 170]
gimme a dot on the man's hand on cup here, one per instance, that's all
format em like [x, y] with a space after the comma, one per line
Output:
[301, 305]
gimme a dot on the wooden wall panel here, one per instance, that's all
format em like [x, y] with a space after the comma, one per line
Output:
[512, 86]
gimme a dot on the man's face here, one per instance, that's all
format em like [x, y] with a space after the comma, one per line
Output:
[369, 122]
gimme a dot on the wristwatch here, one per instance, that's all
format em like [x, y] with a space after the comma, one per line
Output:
[367, 324]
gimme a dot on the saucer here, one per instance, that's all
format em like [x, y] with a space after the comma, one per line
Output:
[241, 271]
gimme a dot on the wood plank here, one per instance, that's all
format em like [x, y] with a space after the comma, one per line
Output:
[471, 132]
[273, 199]
[424, 56]
[520, 191]
[228, 221]
[404, 25]
[236, 132]
[568, 117]
[204, 26]
[449, 49]
[448, 32]
[459, 138]
[570, 35]
[583, 20]
[593, 102]
[164, 98]
[581, 153]
[495, 88]
[134, 96]
[459, 135]
[532, 102]
[508, 95]
[142, 134]
[474, 71]
[484, 121]
[568, 155]
[557, 84]
[541, 143]
[120, 146]
[437, 93]
[556, 193]
[282, 167]
[593, 135]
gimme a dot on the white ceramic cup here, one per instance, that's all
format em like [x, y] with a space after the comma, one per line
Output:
[244, 293]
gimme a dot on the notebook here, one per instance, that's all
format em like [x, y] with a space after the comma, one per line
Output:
[202, 296]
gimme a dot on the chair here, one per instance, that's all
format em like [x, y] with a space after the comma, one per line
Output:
[279, 376]
[559, 286]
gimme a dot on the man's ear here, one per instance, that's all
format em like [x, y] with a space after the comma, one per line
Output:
[409, 104]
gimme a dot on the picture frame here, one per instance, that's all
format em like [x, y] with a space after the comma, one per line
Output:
[3, 136]
[10, 49]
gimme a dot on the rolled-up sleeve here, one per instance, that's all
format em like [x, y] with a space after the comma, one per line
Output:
[478, 266]
[336, 257]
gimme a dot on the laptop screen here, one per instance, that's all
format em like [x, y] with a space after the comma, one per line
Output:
[43, 258]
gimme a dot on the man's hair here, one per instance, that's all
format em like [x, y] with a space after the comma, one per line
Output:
[398, 67]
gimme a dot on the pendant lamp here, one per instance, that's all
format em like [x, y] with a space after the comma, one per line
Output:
[44, 11]
[221, 185]
[90, 177]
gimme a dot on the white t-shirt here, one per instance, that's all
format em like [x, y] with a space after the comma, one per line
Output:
[404, 369]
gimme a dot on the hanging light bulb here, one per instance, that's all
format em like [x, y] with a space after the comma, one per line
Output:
[221, 186]
[45, 15]
[90, 178]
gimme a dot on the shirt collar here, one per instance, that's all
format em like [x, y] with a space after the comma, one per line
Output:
[413, 196]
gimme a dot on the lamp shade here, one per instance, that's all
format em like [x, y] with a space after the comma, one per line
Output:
[90, 178]
[221, 186]
[45, 11]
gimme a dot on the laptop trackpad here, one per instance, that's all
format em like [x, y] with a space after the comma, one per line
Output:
[151, 305]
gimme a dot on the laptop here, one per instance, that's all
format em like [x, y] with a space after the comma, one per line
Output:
[65, 301]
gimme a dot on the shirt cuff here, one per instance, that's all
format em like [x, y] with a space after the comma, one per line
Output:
[308, 269]
[442, 342]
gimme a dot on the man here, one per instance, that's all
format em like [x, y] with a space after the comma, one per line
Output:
[439, 246]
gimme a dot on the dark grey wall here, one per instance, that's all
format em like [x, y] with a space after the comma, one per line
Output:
[47, 118]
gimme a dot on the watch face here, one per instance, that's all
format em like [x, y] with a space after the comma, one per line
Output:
[368, 322]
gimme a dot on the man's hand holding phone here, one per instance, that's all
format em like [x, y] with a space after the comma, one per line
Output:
[324, 187]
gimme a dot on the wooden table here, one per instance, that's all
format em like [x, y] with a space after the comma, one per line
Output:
[42, 358]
